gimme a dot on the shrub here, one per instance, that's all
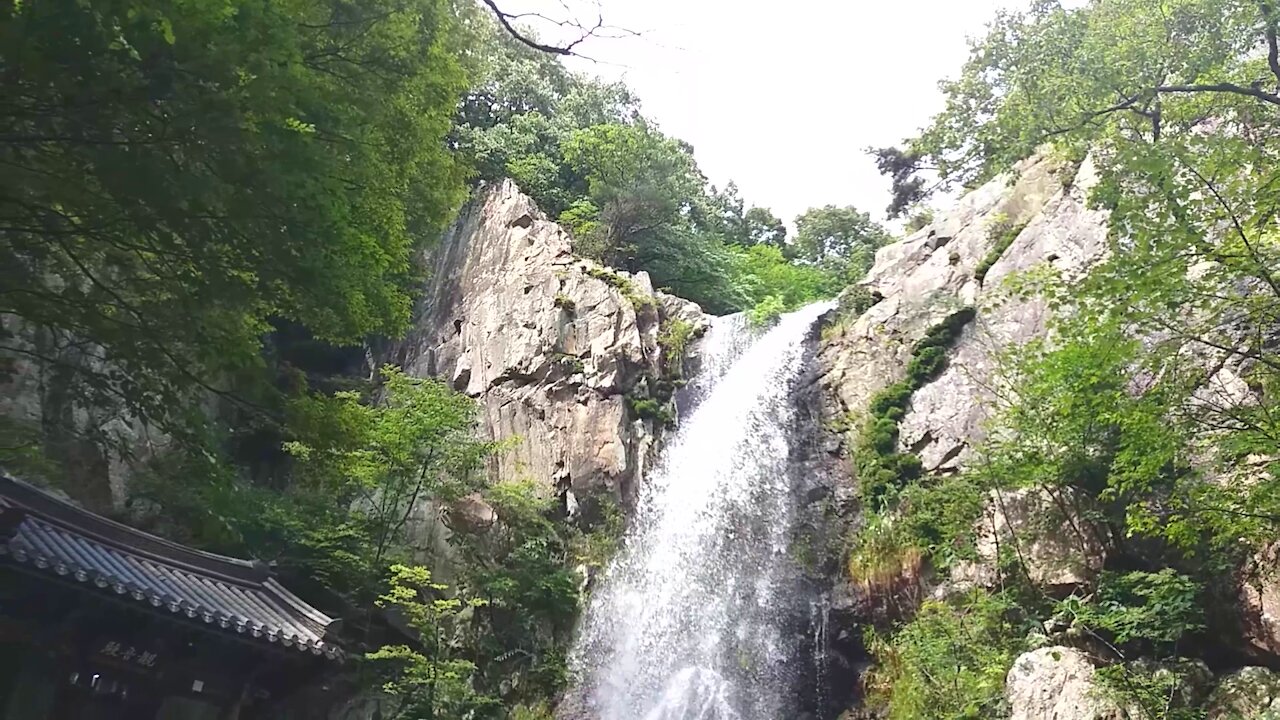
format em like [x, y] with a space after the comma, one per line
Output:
[1157, 607]
[926, 364]
[880, 468]
[882, 556]
[766, 312]
[896, 396]
[639, 300]
[949, 662]
[673, 338]
[857, 300]
[651, 409]
[938, 518]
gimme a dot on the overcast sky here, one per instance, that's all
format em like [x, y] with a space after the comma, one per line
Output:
[784, 97]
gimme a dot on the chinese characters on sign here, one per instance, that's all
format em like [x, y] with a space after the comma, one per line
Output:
[129, 654]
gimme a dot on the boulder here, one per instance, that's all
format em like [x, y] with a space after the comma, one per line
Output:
[1056, 683]
[1250, 693]
[471, 514]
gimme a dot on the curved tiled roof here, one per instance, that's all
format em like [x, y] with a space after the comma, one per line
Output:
[235, 596]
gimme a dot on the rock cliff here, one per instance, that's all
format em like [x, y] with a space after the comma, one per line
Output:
[1037, 215]
[574, 365]
[952, 263]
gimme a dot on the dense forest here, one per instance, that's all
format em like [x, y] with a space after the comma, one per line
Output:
[209, 209]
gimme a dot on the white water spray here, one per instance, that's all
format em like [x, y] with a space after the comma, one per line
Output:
[688, 622]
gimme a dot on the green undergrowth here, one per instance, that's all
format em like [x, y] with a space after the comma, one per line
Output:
[673, 338]
[766, 312]
[647, 408]
[951, 657]
[653, 397]
[950, 661]
[852, 304]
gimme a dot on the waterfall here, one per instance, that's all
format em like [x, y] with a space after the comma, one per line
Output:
[690, 622]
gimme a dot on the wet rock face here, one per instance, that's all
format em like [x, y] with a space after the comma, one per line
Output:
[555, 349]
[829, 683]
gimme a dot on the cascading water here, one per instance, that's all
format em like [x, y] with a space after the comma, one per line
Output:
[690, 621]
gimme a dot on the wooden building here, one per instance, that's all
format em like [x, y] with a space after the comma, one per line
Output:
[100, 621]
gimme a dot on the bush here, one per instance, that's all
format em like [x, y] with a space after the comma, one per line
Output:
[639, 300]
[926, 364]
[673, 338]
[651, 409]
[896, 396]
[1157, 607]
[949, 662]
[883, 554]
[1157, 691]
[939, 518]
[766, 312]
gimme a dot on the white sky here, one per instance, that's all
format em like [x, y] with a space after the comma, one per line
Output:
[784, 97]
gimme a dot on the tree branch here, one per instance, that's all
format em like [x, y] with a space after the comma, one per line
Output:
[1131, 103]
[1235, 222]
[1269, 31]
[1224, 87]
[508, 20]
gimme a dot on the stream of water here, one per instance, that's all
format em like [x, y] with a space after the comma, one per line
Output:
[690, 620]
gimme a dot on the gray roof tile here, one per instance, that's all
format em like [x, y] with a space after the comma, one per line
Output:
[235, 596]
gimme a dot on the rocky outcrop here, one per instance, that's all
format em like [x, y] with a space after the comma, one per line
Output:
[565, 357]
[1046, 535]
[954, 263]
[1062, 683]
[49, 400]
[1033, 216]
[1056, 683]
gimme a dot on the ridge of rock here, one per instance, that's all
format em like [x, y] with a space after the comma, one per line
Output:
[550, 345]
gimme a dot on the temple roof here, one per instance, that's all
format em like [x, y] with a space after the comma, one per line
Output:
[239, 597]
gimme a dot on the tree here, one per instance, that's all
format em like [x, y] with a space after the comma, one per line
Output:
[522, 107]
[434, 680]
[529, 38]
[180, 173]
[1112, 68]
[764, 228]
[1176, 105]
[652, 212]
[1172, 108]
[841, 240]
